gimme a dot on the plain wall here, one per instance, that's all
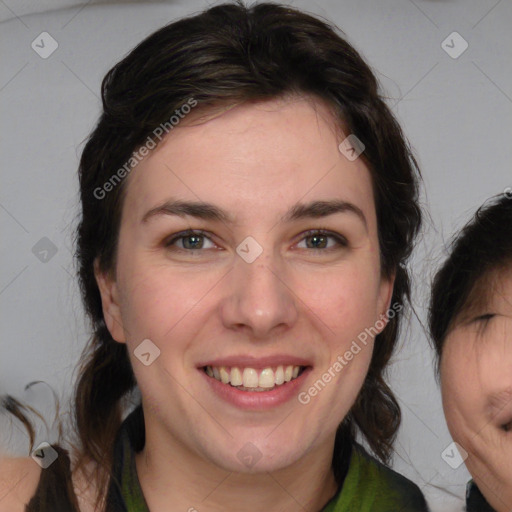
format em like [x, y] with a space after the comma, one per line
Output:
[456, 112]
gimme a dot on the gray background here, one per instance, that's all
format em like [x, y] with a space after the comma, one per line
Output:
[456, 112]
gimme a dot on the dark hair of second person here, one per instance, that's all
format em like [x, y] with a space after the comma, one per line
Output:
[470, 322]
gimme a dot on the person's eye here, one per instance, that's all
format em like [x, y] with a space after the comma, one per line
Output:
[319, 239]
[482, 322]
[507, 427]
[484, 318]
[194, 240]
[189, 240]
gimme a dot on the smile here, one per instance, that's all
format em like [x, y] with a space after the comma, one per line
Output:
[251, 379]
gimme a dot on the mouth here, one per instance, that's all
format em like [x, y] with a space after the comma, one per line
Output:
[250, 379]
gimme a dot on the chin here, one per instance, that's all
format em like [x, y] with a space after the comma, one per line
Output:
[251, 458]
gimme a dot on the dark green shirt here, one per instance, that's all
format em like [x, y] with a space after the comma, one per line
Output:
[369, 486]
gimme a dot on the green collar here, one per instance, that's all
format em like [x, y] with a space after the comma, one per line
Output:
[130, 485]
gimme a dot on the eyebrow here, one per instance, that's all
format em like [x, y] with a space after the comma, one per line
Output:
[208, 211]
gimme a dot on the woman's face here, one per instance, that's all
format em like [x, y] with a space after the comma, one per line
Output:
[476, 377]
[253, 295]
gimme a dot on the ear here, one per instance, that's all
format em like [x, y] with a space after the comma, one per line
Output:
[386, 287]
[110, 303]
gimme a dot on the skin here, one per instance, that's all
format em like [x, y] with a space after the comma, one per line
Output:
[255, 161]
[477, 365]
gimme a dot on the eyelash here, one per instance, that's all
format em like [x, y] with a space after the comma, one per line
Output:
[485, 317]
[341, 240]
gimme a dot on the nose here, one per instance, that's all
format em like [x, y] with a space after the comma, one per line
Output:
[259, 302]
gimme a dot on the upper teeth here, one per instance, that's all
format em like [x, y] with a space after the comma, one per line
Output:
[251, 378]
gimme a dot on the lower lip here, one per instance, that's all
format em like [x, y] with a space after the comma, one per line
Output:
[257, 400]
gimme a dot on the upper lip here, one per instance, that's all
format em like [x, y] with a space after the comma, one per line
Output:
[246, 361]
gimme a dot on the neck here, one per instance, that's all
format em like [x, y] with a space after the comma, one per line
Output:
[174, 474]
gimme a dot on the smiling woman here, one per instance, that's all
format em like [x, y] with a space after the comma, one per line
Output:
[256, 253]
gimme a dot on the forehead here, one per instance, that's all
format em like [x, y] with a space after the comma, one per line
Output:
[253, 158]
[493, 289]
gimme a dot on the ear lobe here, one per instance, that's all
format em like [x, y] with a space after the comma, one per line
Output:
[110, 304]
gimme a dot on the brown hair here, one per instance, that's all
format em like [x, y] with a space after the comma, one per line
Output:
[226, 55]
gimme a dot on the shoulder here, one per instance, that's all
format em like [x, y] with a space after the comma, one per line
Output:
[19, 477]
[368, 479]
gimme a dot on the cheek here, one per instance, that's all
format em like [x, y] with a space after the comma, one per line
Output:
[490, 451]
[345, 300]
[459, 397]
[346, 304]
[489, 465]
[156, 298]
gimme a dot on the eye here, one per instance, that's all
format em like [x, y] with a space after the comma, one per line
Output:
[507, 427]
[482, 322]
[191, 240]
[484, 318]
[319, 239]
